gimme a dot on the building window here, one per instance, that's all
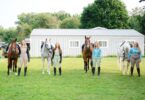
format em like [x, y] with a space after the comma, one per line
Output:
[103, 44]
[74, 44]
[131, 41]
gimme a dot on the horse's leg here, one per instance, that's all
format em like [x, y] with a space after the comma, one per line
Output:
[88, 63]
[49, 64]
[86, 66]
[123, 67]
[119, 63]
[43, 61]
[91, 63]
[9, 65]
[128, 64]
[8, 72]
[15, 64]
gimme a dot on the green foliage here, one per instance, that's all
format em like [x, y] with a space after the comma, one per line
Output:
[143, 24]
[1, 32]
[70, 23]
[9, 34]
[137, 20]
[61, 15]
[29, 21]
[74, 84]
[105, 13]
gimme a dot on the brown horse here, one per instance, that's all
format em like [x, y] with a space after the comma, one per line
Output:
[13, 53]
[87, 48]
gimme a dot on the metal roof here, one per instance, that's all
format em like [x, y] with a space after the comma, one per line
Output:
[90, 32]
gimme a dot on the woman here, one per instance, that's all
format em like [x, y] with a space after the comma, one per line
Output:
[24, 57]
[135, 58]
[57, 58]
[96, 57]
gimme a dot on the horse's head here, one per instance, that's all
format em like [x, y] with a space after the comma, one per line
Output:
[124, 49]
[13, 47]
[87, 41]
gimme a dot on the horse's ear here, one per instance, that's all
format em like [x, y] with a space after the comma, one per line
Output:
[85, 36]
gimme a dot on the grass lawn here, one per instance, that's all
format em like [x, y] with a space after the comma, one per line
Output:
[74, 84]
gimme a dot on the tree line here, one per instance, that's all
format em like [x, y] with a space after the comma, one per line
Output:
[102, 13]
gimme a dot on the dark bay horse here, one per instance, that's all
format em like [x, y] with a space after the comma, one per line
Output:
[87, 48]
[13, 53]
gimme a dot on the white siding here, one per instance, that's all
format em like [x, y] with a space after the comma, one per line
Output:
[113, 43]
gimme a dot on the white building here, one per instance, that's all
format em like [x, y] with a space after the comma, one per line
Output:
[71, 40]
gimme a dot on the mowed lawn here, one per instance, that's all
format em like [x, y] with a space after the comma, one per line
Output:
[74, 84]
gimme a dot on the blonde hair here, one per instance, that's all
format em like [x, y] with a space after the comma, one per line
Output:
[23, 44]
[137, 46]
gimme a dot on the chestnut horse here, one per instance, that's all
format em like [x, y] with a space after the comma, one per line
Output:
[87, 48]
[13, 53]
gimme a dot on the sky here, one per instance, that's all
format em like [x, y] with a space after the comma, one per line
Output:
[10, 9]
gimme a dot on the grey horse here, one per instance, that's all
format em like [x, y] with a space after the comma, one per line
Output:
[46, 53]
[122, 55]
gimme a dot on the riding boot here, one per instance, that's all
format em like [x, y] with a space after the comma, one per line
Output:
[19, 71]
[25, 71]
[138, 71]
[8, 72]
[54, 71]
[131, 70]
[99, 71]
[93, 70]
[91, 63]
[60, 71]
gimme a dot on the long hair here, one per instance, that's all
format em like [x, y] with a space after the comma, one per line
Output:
[137, 45]
[23, 44]
[98, 45]
[57, 45]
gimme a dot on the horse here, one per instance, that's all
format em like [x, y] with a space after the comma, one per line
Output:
[46, 53]
[122, 55]
[87, 48]
[13, 53]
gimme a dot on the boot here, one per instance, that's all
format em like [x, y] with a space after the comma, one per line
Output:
[93, 70]
[99, 71]
[25, 71]
[60, 71]
[138, 71]
[19, 71]
[131, 70]
[54, 71]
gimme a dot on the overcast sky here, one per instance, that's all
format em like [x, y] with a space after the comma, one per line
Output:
[9, 9]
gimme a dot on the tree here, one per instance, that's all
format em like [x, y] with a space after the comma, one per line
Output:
[9, 34]
[27, 22]
[72, 22]
[136, 19]
[105, 13]
[134, 22]
[143, 24]
[61, 15]
[137, 11]
[1, 32]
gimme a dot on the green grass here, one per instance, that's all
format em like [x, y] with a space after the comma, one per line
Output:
[74, 84]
